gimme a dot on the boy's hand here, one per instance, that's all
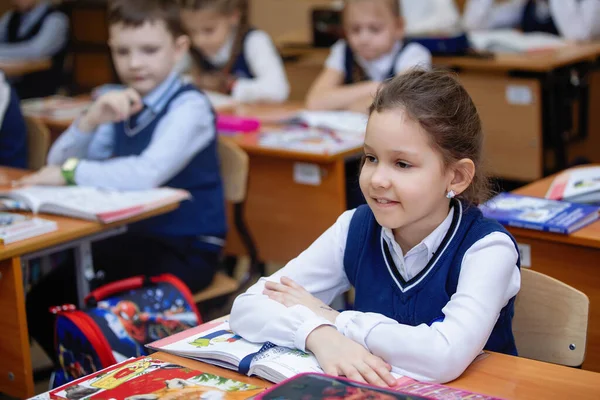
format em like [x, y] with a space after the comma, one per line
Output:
[289, 293]
[113, 106]
[338, 355]
[50, 176]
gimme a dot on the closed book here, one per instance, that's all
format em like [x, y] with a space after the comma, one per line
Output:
[15, 227]
[539, 213]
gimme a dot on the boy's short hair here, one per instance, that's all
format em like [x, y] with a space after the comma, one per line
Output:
[137, 12]
[394, 5]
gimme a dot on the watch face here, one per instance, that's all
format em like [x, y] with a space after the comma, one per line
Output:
[70, 164]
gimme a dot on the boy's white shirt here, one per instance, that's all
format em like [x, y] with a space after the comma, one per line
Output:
[488, 279]
[185, 130]
[574, 19]
[377, 70]
[270, 83]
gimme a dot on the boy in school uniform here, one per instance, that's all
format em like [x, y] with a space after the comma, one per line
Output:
[13, 132]
[372, 52]
[571, 19]
[158, 131]
[34, 30]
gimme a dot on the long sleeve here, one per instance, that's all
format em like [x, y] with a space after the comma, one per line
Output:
[52, 37]
[74, 143]
[4, 26]
[485, 14]
[425, 16]
[576, 20]
[270, 82]
[184, 131]
[488, 279]
[319, 269]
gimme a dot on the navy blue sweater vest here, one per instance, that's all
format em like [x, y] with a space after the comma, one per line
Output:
[353, 73]
[381, 289]
[204, 215]
[240, 67]
[42, 83]
[13, 135]
[531, 22]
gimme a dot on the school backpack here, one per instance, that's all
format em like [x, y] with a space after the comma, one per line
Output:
[120, 318]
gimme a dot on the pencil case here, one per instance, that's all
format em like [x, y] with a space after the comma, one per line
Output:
[231, 123]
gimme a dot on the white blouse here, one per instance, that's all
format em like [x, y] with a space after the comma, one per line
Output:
[489, 278]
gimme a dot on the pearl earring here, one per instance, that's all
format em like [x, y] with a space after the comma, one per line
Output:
[450, 194]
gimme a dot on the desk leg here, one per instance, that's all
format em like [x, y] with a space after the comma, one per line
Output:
[84, 270]
[16, 376]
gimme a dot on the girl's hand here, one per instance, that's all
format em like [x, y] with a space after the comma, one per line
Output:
[340, 356]
[289, 293]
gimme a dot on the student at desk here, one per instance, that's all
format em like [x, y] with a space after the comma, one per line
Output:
[230, 57]
[435, 281]
[158, 131]
[571, 19]
[372, 53]
[34, 30]
[13, 132]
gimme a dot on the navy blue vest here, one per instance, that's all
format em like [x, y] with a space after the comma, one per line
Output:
[381, 289]
[531, 21]
[42, 83]
[240, 67]
[351, 67]
[13, 135]
[204, 215]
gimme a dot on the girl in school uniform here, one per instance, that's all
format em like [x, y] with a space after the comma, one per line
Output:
[435, 281]
[230, 57]
[572, 19]
[372, 52]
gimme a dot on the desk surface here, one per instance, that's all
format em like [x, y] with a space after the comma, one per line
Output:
[494, 374]
[18, 68]
[587, 236]
[542, 61]
[68, 228]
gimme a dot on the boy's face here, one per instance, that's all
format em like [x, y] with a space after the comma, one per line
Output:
[24, 5]
[371, 28]
[208, 29]
[145, 55]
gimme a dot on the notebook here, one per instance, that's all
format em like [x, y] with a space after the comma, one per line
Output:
[15, 227]
[93, 204]
[311, 140]
[339, 121]
[216, 344]
[538, 213]
[149, 378]
[55, 107]
[513, 41]
[579, 185]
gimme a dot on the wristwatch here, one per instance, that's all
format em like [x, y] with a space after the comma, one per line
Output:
[68, 170]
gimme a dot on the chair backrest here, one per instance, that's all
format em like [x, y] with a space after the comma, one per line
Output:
[551, 319]
[234, 170]
[38, 143]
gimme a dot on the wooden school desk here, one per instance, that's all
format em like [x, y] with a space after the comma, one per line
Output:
[518, 97]
[573, 259]
[494, 374]
[16, 377]
[18, 68]
[283, 215]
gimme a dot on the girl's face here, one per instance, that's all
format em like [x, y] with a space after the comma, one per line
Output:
[403, 177]
[208, 29]
[371, 28]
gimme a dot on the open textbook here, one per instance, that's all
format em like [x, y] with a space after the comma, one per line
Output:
[216, 344]
[340, 121]
[55, 107]
[90, 203]
[311, 140]
[513, 41]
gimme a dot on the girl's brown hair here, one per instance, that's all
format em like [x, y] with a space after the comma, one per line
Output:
[137, 12]
[442, 106]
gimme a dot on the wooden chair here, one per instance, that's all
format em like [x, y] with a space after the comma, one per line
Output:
[234, 172]
[38, 143]
[550, 322]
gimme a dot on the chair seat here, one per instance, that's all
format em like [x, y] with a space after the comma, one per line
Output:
[221, 285]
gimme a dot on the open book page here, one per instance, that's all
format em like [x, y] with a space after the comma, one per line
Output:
[57, 107]
[219, 100]
[95, 204]
[347, 121]
[280, 363]
[312, 140]
[513, 41]
[219, 346]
